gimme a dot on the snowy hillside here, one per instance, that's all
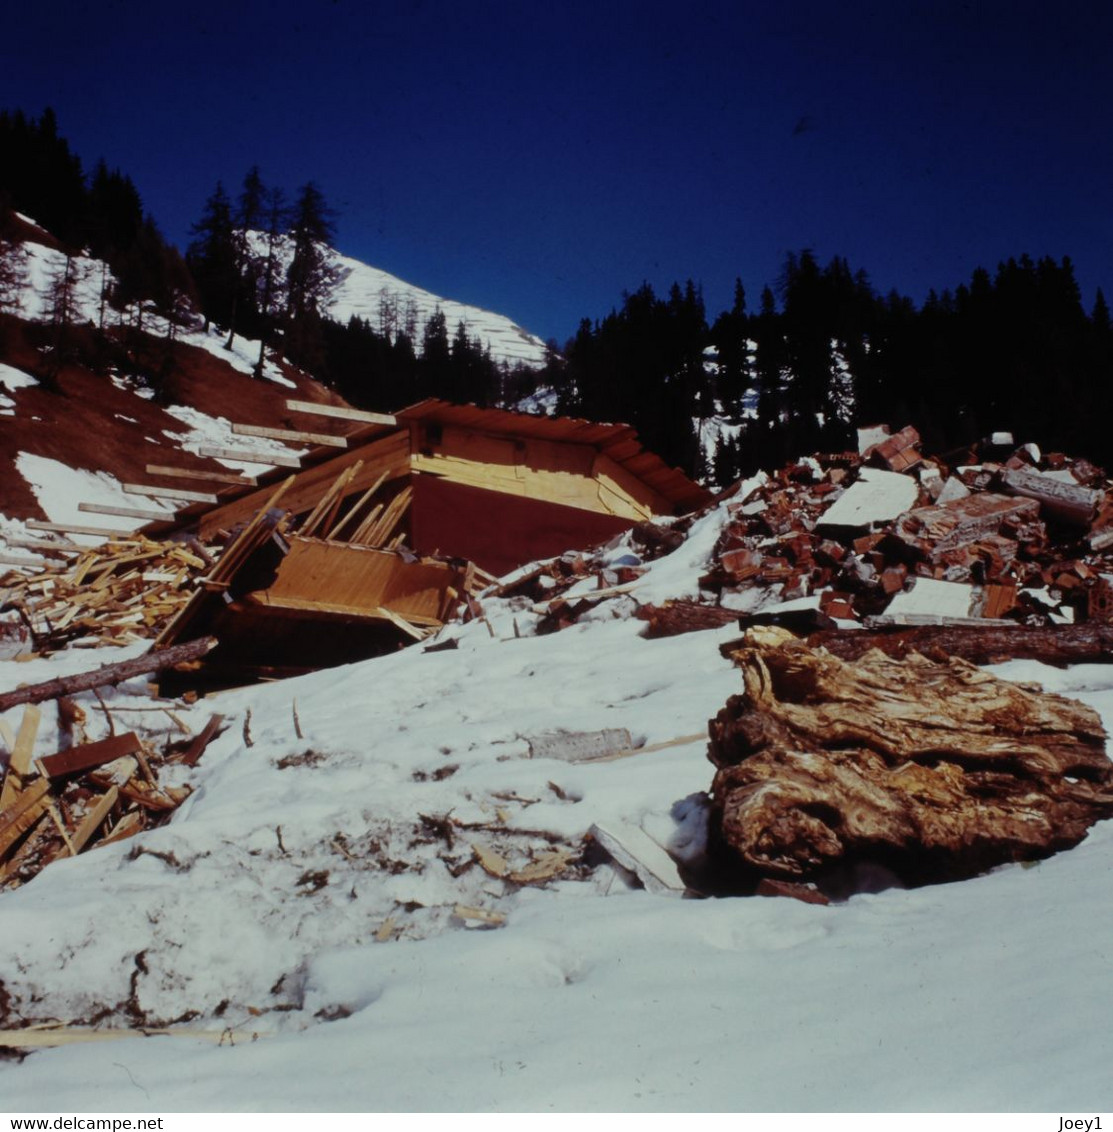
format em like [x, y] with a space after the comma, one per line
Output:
[334, 901]
[389, 304]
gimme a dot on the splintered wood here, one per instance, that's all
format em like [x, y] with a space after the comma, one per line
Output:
[930, 771]
[92, 794]
[115, 594]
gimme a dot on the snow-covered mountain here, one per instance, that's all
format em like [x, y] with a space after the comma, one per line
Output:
[388, 304]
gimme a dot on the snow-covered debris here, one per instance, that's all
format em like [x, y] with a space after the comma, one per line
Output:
[877, 497]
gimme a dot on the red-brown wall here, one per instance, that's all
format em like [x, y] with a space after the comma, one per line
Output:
[499, 532]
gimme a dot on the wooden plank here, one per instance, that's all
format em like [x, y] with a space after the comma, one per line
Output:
[93, 819]
[196, 749]
[191, 474]
[282, 460]
[401, 623]
[78, 529]
[91, 754]
[128, 826]
[170, 493]
[480, 915]
[338, 530]
[334, 494]
[291, 435]
[58, 546]
[126, 512]
[390, 453]
[580, 746]
[410, 624]
[17, 819]
[632, 848]
[19, 765]
[24, 561]
[341, 413]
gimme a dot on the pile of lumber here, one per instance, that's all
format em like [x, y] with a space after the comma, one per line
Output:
[83, 796]
[122, 591]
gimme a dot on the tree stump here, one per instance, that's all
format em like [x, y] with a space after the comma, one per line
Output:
[933, 770]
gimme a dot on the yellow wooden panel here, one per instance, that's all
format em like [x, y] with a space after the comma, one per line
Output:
[336, 577]
[574, 475]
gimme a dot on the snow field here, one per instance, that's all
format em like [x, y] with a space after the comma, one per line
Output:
[305, 893]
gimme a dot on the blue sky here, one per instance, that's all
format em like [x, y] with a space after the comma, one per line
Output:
[539, 160]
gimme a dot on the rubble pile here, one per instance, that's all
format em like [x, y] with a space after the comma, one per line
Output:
[889, 536]
[997, 534]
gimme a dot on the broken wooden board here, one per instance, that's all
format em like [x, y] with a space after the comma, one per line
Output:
[90, 755]
[580, 746]
[19, 765]
[27, 807]
[632, 848]
[485, 916]
[93, 818]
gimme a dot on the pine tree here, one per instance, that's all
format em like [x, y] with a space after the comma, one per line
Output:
[311, 277]
[212, 258]
[269, 283]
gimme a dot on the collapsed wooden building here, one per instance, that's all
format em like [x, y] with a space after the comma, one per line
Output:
[388, 522]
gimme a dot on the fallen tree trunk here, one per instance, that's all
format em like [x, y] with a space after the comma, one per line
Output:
[931, 771]
[1090, 642]
[682, 616]
[155, 661]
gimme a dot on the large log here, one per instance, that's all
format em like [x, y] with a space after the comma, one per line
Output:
[155, 661]
[1090, 642]
[935, 771]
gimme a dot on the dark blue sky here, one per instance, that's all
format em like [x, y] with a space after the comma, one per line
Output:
[539, 160]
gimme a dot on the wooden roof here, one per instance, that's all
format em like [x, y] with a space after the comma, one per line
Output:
[617, 441]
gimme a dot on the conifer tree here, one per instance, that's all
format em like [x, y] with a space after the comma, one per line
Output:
[212, 258]
[269, 283]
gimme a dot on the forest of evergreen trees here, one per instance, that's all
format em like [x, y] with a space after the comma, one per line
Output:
[820, 354]
[824, 353]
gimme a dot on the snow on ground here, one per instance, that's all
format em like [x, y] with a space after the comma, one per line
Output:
[204, 430]
[261, 907]
[12, 378]
[243, 355]
[60, 488]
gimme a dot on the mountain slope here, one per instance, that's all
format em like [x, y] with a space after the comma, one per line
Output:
[109, 402]
[387, 303]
